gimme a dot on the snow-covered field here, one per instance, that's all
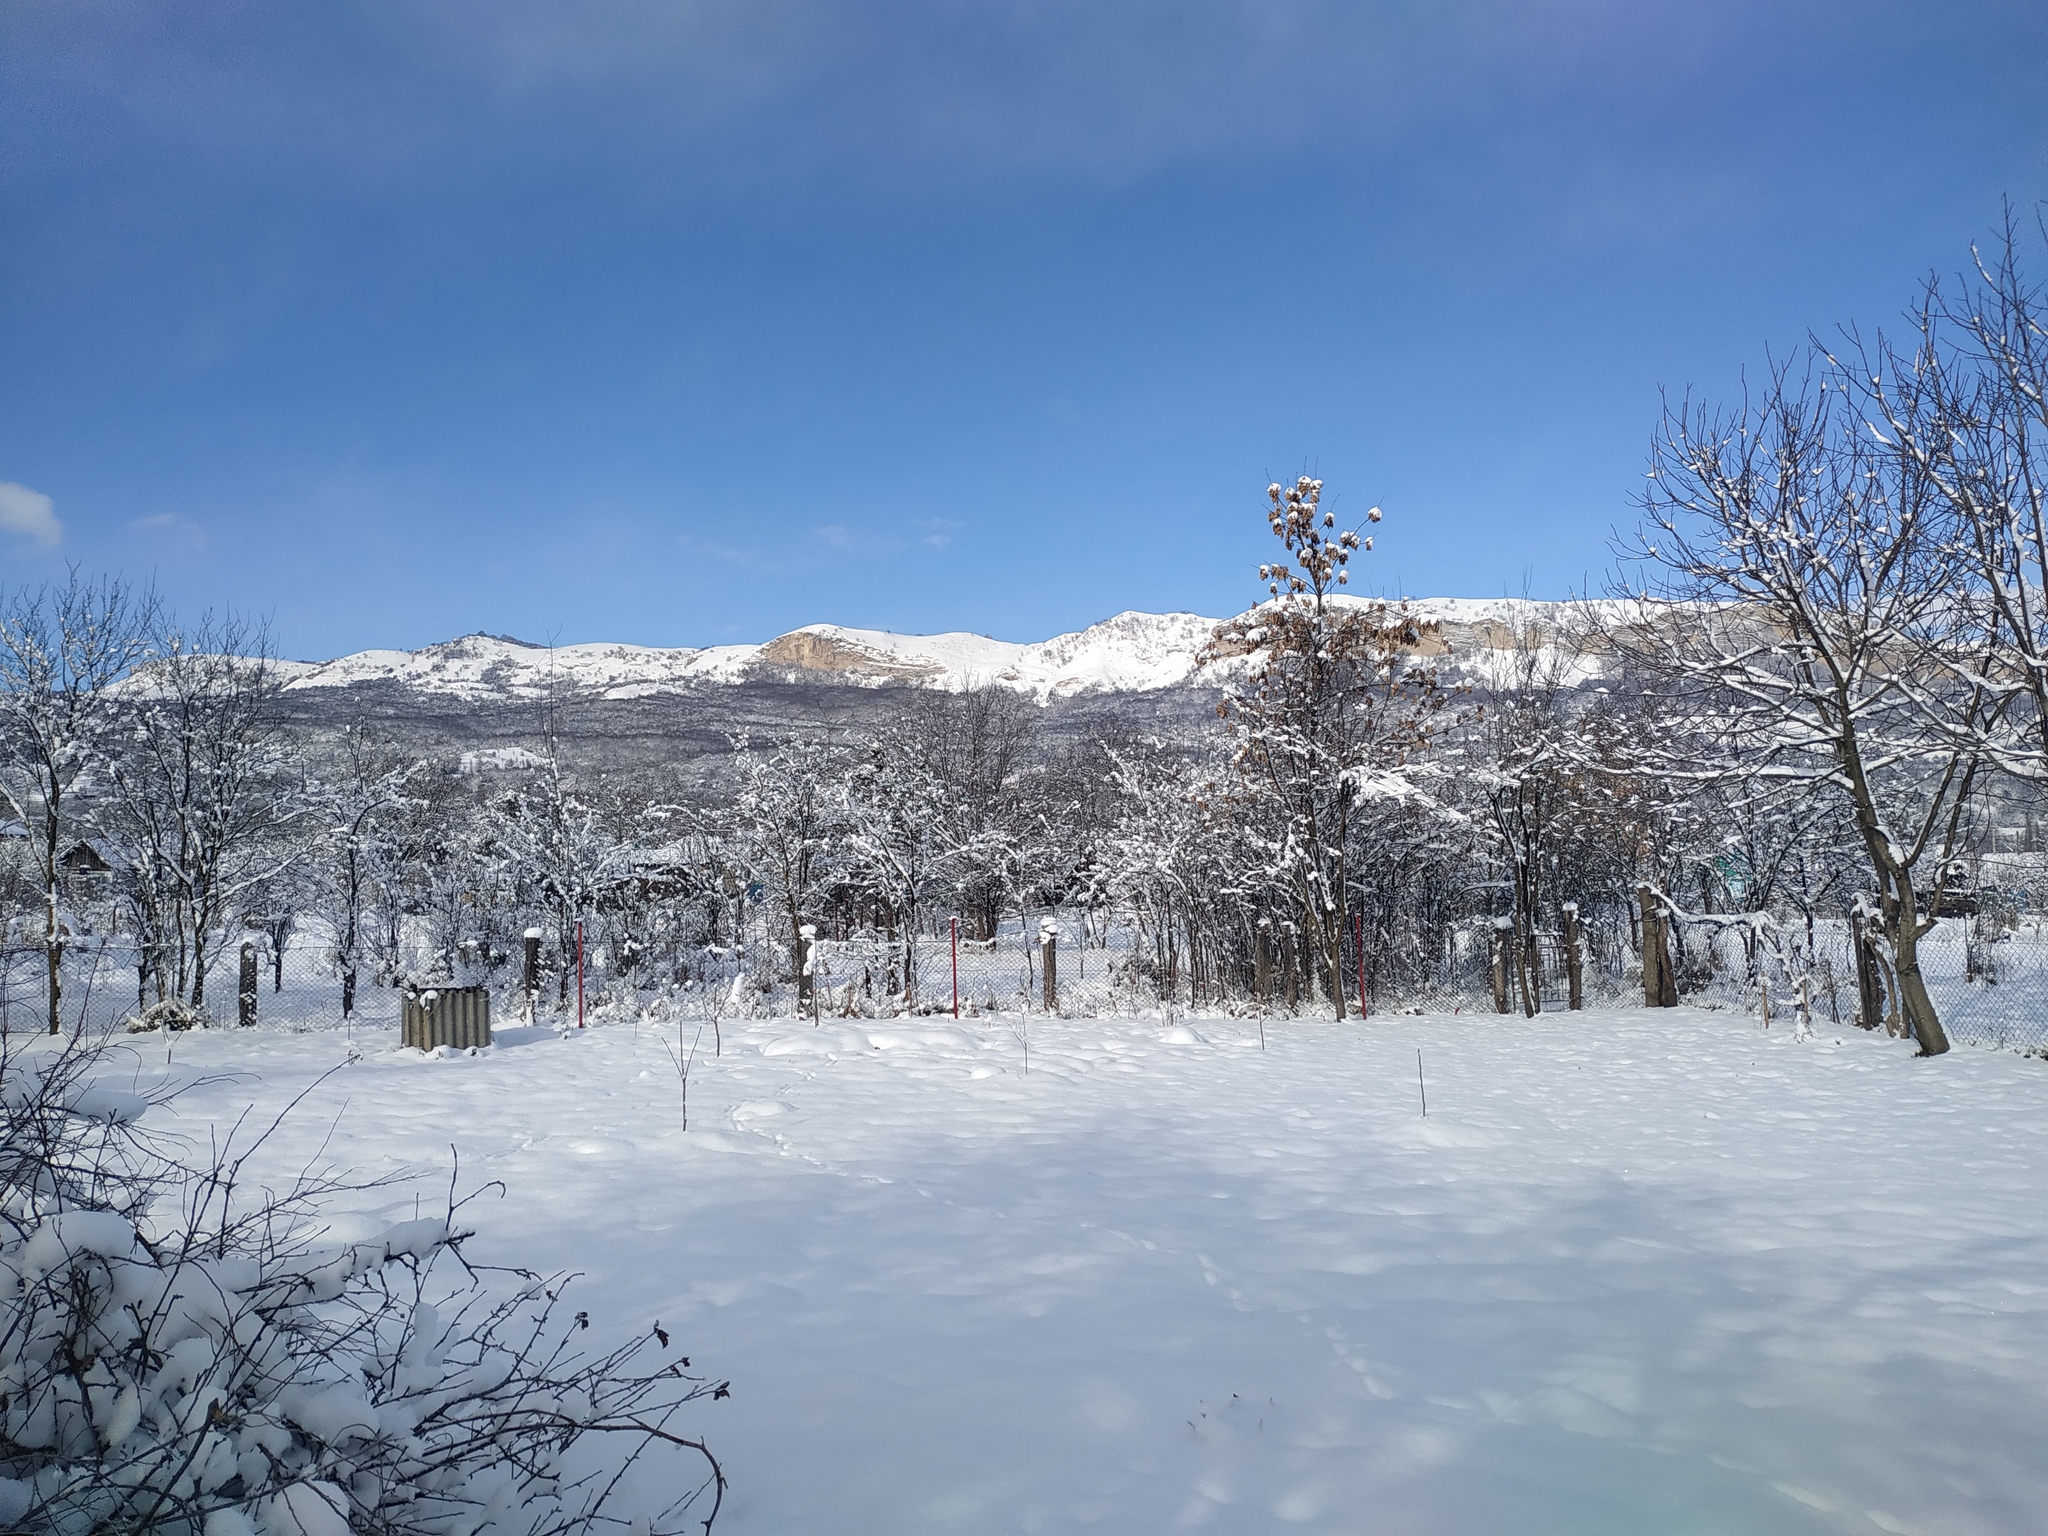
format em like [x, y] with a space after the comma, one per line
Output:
[1634, 1273]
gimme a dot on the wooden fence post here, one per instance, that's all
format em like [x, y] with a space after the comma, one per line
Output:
[1049, 950]
[1667, 973]
[1528, 976]
[1358, 954]
[532, 976]
[247, 1000]
[1652, 984]
[1869, 983]
[1503, 938]
[1660, 982]
[1574, 965]
[807, 970]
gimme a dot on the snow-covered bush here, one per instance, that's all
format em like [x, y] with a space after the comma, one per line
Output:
[179, 1355]
[172, 1013]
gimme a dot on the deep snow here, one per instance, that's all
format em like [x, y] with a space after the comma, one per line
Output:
[1635, 1272]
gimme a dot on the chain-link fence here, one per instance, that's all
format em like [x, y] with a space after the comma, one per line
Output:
[104, 988]
[1986, 972]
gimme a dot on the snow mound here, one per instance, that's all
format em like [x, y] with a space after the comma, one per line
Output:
[1435, 1133]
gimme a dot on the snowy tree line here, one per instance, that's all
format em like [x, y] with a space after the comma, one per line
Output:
[1815, 692]
[130, 742]
[1452, 807]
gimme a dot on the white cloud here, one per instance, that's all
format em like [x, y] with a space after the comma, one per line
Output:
[30, 514]
[838, 536]
[872, 543]
[1099, 91]
[1115, 90]
[176, 527]
[731, 554]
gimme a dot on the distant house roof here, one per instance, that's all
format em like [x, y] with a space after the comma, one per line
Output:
[87, 859]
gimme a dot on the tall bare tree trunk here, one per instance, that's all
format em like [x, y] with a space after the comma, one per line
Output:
[1660, 981]
[1527, 974]
[1335, 956]
[1921, 1016]
[1574, 962]
[53, 938]
[54, 959]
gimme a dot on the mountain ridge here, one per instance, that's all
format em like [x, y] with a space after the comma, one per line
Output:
[1131, 652]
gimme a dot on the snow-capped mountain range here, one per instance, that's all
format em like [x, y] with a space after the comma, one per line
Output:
[1131, 653]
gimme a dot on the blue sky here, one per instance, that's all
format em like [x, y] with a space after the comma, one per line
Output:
[686, 323]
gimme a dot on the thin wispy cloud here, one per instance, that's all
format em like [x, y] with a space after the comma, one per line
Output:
[29, 515]
[171, 526]
[852, 539]
[701, 548]
[380, 93]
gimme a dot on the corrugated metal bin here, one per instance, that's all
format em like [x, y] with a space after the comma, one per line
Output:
[457, 1016]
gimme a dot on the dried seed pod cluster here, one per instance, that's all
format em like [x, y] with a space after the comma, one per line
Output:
[1320, 552]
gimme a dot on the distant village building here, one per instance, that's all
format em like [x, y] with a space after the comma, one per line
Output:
[87, 859]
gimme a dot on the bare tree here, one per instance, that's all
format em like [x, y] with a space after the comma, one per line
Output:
[563, 851]
[786, 819]
[1336, 696]
[898, 836]
[1967, 406]
[63, 651]
[976, 744]
[1173, 857]
[199, 796]
[1813, 620]
[1528, 728]
[354, 802]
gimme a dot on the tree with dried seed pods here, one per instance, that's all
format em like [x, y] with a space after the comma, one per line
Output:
[1336, 704]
